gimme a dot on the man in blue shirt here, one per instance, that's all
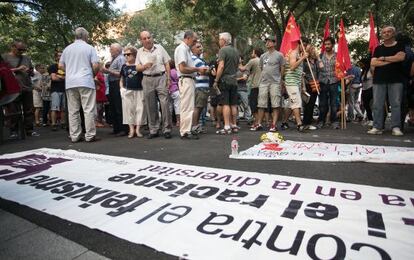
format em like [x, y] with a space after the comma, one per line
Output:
[354, 79]
[202, 84]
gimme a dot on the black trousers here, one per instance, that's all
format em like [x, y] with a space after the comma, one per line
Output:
[367, 99]
[115, 104]
[26, 101]
[308, 108]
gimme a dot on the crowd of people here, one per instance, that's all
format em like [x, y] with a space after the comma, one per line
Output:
[143, 91]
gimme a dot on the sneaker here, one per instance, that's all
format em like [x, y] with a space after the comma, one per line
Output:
[54, 128]
[310, 127]
[189, 136]
[13, 135]
[374, 131]
[284, 126]
[273, 128]
[301, 128]
[93, 139]
[34, 133]
[335, 125]
[256, 127]
[320, 125]
[370, 123]
[396, 131]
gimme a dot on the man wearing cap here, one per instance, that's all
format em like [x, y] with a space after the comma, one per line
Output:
[153, 60]
[271, 64]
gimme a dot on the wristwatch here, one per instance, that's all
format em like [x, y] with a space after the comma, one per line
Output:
[383, 58]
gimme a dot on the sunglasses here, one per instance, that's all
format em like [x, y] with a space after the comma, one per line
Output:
[127, 54]
[21, 50]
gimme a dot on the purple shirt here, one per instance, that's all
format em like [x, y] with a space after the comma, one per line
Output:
[174, 81]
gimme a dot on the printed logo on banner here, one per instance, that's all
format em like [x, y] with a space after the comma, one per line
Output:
[27, 165]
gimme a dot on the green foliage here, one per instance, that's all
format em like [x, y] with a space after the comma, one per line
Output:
[155, 19]
[47, 25]
[358, 49]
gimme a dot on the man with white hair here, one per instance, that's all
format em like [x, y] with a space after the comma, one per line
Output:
[228, 62]
[80, 62]
[115, 101]
[186, 72]
[388, 79]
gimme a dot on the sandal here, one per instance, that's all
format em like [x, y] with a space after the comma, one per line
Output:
[235, 129]
[224, 131]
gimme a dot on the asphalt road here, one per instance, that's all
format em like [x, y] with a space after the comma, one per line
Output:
[210, 150]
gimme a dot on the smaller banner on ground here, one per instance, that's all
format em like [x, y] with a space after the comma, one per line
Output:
[331, 152]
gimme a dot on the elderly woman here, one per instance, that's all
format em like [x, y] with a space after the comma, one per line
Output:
[132, 94]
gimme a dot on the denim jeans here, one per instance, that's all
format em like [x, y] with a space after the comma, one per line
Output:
[353, 106]
[328, 98]
[244, 102]
[395, 92]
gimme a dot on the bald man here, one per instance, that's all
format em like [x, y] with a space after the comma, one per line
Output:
[153, 60]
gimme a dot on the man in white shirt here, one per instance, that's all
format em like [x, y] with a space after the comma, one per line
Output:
[80, 62]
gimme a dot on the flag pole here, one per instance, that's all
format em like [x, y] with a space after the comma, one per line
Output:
[343, 120]
[310, 68]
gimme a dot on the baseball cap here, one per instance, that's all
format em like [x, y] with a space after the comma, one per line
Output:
[271, 38]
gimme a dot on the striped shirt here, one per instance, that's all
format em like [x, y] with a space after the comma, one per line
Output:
[293, 77]
[201, 81]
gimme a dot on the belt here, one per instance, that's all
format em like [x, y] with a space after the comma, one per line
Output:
[154, 75]
[187, 76]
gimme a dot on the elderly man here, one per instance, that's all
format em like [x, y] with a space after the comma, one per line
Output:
[228, 63]
[153, 61]
[22, 67]
[388, 79]
[186, 73]
[80, 62]
[115, 101]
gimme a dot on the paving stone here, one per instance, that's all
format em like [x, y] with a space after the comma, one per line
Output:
[12, 226]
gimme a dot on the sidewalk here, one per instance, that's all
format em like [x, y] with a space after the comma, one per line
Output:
[21, 239]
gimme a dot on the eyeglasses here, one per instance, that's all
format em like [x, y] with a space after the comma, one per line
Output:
[22, 49]
[127, 54]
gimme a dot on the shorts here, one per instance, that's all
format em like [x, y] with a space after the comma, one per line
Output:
[295, 99]
[201, 97]
[58, 101]
[272, 89]
[229, 95]
[254, 94]
[37, 99]
[214, 100]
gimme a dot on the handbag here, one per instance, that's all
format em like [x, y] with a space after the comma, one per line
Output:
[314, 85]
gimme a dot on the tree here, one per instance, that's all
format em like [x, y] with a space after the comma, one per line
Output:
[48, 25]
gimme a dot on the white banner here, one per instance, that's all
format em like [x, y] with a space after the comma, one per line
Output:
[311, 151]
[209, 213]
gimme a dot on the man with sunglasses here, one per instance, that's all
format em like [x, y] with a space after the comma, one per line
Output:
[22, 67]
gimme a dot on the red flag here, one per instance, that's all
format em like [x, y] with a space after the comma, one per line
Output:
[291, 36]
[343, 61]
[326, 34]
[373, 40]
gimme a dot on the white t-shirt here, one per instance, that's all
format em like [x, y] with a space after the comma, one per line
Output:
[78, 58]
